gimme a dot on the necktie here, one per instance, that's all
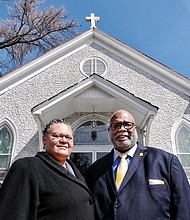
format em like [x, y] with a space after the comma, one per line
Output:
[121, 170]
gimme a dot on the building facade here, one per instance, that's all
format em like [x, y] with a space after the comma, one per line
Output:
[84, 81]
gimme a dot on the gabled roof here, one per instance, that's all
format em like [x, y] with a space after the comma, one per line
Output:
[97, 92]
[95, 35]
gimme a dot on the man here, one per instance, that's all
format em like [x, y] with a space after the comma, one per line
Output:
[47, 186]
[154, 186]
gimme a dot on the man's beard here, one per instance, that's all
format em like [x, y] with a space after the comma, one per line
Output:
[125, 145]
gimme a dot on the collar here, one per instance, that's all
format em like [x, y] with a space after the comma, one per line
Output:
[130, 152]
[68, 167]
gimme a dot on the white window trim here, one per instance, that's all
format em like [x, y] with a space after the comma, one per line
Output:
[87, 118]
[12, 127]
[93, 59]
[90, 148]
[173, 132]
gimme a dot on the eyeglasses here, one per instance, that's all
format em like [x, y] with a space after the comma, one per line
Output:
[61, 136]
[126, 125]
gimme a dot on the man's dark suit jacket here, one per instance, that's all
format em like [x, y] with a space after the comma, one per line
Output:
[142, 195]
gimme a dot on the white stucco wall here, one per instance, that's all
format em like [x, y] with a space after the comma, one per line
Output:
[16, 103]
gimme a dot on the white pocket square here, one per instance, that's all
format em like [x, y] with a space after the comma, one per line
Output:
[155, 182]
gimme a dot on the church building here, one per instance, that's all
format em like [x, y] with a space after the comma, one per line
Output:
[84, 81]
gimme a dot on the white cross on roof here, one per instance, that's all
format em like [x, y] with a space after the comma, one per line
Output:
[92, 19]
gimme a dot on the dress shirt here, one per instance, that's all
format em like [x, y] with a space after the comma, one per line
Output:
[69, 168]
[116, 159]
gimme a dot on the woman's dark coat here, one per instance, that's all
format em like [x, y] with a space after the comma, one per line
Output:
[39, 188]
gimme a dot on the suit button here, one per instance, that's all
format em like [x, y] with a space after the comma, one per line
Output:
[117, 205]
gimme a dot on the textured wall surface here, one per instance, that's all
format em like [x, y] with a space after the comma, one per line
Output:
[16, 103]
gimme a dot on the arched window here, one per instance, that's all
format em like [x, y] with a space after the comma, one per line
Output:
[182, 143]
[6, 146]
[91, 142]
[91, 132]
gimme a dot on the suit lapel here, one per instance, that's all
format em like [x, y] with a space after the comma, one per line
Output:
[109, 171]
[110, 177]
[135, 162]
[61, 170]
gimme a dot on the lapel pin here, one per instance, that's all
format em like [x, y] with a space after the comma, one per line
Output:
[141, 154]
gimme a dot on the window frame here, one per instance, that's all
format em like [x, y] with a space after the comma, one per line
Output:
[89, 148]
[8, 123]
[174, 131]
[93, 66]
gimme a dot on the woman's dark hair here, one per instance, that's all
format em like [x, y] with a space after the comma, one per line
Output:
[52, 122]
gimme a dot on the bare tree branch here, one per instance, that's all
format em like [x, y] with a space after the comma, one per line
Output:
[31, 30]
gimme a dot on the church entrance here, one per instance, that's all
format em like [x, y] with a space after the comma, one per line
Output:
[91, 142]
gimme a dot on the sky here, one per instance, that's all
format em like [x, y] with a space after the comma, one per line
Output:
[158, 28]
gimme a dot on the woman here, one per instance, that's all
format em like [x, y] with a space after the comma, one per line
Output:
[47, 186]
